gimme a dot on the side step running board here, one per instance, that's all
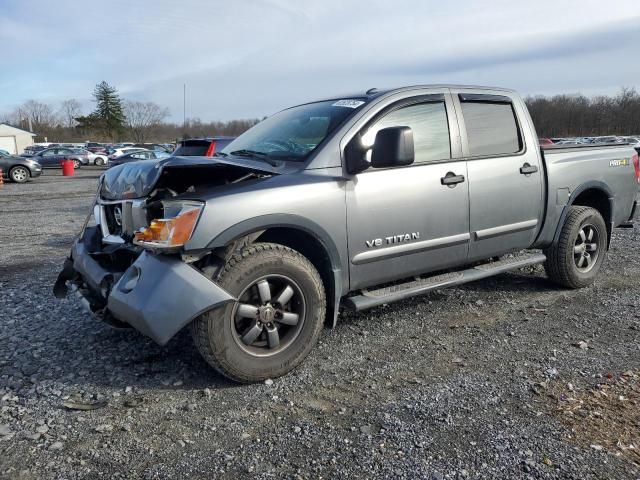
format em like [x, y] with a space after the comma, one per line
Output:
[374, 298]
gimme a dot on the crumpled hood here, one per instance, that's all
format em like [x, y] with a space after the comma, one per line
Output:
[138, 179]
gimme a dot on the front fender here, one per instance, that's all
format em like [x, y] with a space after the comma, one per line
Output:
[264, 222]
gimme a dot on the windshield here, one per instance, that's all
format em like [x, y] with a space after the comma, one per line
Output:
[294, 133]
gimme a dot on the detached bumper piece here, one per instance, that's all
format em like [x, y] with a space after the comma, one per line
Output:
[157, 295]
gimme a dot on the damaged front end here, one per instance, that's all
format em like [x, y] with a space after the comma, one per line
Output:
[128, 265]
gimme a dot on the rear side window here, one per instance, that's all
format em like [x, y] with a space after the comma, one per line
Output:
[428, 121]
[491, 128]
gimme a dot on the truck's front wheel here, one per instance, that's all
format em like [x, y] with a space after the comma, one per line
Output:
[576, 258]
[275, 322]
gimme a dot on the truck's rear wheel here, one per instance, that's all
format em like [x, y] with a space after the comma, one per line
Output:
[575, 260]
[275, 322]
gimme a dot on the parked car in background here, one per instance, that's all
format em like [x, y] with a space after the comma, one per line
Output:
[607, 139]
[156, 147]
[32, 150]
[95, 147]
[201, 147]
[135, 156]
[51, 157]
[634, 142]
[18, 169]
[99, 159]
[118, 152]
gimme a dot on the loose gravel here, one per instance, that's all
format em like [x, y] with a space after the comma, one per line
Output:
[460, 383]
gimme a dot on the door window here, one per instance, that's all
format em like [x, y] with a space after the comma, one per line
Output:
[430, 127]
[491, 128]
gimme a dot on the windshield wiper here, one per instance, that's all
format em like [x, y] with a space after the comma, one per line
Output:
[220, 154]
[256, 155]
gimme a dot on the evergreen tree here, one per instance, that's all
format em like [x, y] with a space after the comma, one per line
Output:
[108, 117]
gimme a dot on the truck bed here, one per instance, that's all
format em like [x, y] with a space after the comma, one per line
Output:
[571, 169]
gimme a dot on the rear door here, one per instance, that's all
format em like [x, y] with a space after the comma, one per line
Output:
[408, 220]
[65, 153]
[49, 158]
[505, 174]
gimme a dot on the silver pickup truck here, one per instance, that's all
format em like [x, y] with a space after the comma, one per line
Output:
[348, 202]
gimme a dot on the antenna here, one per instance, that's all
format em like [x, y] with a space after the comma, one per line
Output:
[371, 90]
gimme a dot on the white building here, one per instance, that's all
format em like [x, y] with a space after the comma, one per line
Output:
[14, 140]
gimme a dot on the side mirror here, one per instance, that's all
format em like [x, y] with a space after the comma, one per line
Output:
[393, 147]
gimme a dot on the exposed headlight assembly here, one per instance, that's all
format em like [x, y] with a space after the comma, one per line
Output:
[174, 229]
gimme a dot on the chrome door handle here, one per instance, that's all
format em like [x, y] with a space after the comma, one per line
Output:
[527, 169]
[451, 179]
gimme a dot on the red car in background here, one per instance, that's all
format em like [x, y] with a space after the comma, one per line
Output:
[202, 147]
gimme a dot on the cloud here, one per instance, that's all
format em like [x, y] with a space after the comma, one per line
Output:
[570, 46]
[251, 58]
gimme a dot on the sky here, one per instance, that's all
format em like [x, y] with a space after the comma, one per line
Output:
[251, 58]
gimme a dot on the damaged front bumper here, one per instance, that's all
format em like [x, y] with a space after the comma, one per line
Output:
[157, 294]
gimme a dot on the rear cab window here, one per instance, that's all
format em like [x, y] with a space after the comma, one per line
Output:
[491, 124]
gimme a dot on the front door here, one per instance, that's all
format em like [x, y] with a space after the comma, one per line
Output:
[409, 220]
[505, 175]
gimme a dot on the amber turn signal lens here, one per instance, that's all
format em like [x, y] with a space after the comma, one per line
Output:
[169, 232]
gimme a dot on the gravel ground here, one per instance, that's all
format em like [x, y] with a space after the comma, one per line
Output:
[462, 383]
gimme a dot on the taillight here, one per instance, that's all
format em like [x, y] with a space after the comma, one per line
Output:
[636, 166]
[211, 150]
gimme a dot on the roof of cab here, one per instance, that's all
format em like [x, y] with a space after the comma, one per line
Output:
[378, 92]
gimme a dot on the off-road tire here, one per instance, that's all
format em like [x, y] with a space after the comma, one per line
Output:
[560, 265]
[212, 332]
[15, 177]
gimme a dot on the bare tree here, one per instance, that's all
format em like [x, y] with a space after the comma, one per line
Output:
[577, 115]
[142, 117]
[70, 110]
[38, 115]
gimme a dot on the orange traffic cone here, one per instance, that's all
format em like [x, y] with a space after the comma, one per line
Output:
[1, 178]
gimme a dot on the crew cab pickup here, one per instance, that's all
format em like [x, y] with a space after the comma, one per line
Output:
[348, 202]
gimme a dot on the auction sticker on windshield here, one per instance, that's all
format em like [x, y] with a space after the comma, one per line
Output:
[348, 103]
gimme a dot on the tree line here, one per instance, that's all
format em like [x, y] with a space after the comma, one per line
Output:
[116, 119]
[581, 116]
[113, 119]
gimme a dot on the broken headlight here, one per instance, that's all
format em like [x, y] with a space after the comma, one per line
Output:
[174, 229]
